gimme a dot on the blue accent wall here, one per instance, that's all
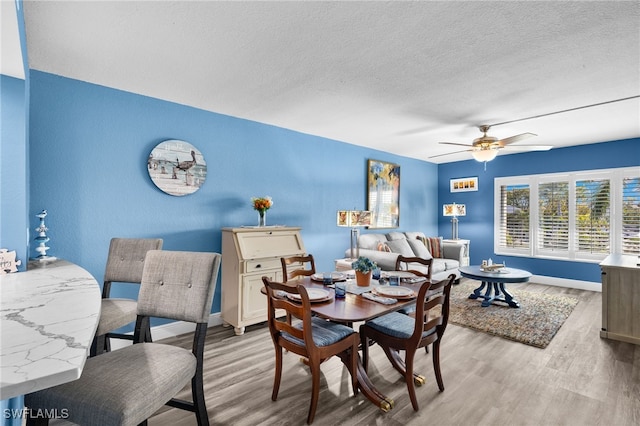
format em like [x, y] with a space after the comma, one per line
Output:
[477, 225]
[86, 164]
[89, 146]
[13, 166]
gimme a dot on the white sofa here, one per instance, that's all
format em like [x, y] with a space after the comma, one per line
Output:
[374, 247]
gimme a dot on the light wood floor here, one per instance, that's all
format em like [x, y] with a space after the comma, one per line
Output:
[579, 379]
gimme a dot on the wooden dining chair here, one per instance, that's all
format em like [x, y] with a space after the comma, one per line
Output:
[311, 337]
[404, 263]
[125, 262]
[396, 331]
[126, 386]
[297, 266]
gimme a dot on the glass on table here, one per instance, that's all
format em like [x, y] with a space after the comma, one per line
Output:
[376, 274]
[326, 278]
[341, 290]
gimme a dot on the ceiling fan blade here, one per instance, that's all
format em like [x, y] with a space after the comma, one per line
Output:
[450, 153]
[457, 144]
[516, 138]
[525, 148]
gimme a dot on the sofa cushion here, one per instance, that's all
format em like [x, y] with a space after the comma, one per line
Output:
[451, 264]
[414, 235]
[393, 236]
[401, 247]
[438, 265]
[434, 245]
[370, 241]
[419, 249]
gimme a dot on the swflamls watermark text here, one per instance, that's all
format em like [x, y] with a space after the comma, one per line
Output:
[21, 413]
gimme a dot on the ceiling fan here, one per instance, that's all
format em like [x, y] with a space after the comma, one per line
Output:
[485, 148]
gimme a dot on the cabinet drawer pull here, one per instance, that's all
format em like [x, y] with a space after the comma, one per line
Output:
[258, 266]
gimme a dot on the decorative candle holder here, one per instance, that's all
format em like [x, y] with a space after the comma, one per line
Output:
[42, 238]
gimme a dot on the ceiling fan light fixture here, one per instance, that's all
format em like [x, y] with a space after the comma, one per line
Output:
[484, 155]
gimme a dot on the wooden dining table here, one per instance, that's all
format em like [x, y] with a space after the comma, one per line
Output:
[355, 308]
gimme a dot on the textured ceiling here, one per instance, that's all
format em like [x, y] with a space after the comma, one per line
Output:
[395, 76]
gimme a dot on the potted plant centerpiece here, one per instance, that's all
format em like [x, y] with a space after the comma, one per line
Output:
[364, 268]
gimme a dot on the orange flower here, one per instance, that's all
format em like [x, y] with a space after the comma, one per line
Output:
[262, 204]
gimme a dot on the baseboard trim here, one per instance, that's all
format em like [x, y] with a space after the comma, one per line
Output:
[171, 329]
[177, 328]
[565, 282]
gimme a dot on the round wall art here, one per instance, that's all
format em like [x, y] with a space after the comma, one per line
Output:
[177, 167]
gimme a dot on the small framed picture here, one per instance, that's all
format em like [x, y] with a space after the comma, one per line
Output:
[463, 184]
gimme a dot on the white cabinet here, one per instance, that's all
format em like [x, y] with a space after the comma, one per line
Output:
[248, 254]
[621, 298]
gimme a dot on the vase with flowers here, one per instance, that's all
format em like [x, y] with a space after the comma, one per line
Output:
[262, 204]
[364, 268]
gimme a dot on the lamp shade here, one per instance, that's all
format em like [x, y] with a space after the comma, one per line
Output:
[353, 218]
[360, 218]
[343, 218]
[484, 155]
[454, 210]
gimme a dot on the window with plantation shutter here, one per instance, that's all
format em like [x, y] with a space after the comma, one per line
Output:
[593, 222]
[631, 215]
[514, 216]
[553, 217]
[581, 216]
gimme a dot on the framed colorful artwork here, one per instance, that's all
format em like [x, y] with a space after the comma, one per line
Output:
[176, 167]
[383, 194]
[463, 184]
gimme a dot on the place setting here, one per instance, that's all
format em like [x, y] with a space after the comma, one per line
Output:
[315, 295]
[328, 278]
[397, 292]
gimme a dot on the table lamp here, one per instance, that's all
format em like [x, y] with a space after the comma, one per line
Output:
[454, 210]
[354, 219]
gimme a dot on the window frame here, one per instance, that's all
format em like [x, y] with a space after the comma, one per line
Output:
[615, 177]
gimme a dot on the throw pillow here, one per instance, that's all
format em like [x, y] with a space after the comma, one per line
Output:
[370, 241]
[414, 235]
[392, 236]
[419, 249]
[384, 247]
[434, 245]
[401, 247]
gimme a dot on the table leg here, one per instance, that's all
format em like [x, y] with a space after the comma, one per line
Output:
[494, 292]
[366, 387]
[478, 291]
[488, 297]
[508, 298]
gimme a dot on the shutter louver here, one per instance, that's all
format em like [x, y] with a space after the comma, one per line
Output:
[593, 219]
[514, 216]
[553, 223]
[631, 216]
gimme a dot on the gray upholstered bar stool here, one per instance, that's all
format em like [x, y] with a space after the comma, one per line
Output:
[128, 385]
[124, 265]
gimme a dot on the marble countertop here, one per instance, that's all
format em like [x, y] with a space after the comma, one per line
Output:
[48, 317]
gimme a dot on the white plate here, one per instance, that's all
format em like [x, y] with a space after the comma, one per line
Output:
[314, 294]
[394, 291]
[335, 276]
